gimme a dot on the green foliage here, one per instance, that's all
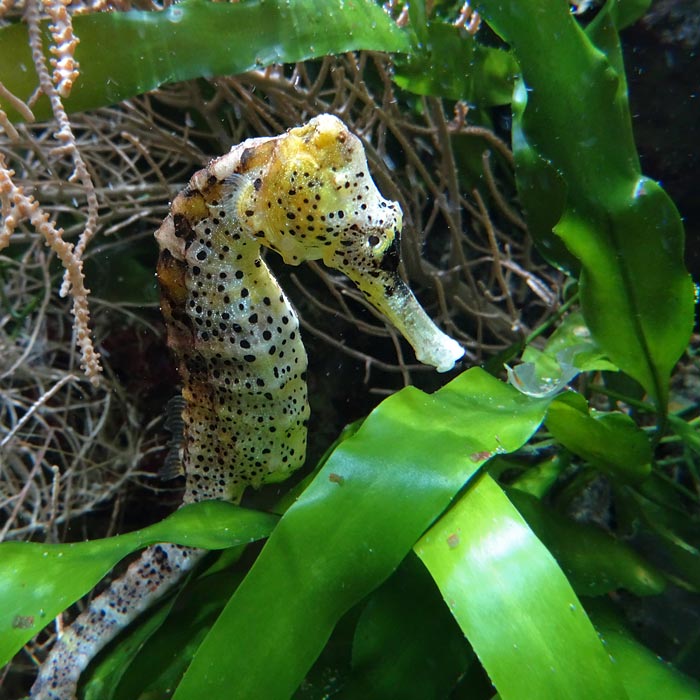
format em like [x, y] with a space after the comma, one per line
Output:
[588, 191]
[501, 583]
[479, 479]
[487, 78]
[643, 674]
[611, 442]
[351, 528]
[197, 38]
[594, 562]
[39, 581]
[406, 641]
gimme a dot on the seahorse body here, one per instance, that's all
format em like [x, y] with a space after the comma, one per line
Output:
[307, 195]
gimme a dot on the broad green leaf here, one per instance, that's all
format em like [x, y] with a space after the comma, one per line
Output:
[576, 159]
[407, 645]
[38, 581]
[611, 442]
[627, 389]
[418, 20]
[644, 675]
[542, 189]
[196, 38]
[636, 296]
[626, 12]
[513, 602]
[538, 181]
[449, 62]
[593, 561]
[351, 528]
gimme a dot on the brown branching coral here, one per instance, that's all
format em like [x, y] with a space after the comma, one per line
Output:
[18, 206]
[62, 30]
[64, 448]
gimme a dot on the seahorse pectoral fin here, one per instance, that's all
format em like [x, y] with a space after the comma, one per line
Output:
[390, 295]
[235, 191]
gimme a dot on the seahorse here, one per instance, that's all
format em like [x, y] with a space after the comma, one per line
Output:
[307, 195]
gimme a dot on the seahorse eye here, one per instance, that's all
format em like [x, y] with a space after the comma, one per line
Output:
[373, 240]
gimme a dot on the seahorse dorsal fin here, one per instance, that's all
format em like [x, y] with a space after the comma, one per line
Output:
[172, 466]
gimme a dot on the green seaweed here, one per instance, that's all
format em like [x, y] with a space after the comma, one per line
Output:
[196, 38]
[586, 190]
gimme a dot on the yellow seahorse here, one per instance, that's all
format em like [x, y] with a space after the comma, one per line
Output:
[308, 195]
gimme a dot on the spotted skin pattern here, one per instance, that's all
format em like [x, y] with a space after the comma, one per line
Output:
[307, 195]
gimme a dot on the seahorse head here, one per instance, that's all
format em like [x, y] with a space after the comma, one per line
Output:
[315, 199]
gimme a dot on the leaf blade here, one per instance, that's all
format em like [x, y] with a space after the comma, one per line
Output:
[197, 38]
[575, 150]
[513, 602]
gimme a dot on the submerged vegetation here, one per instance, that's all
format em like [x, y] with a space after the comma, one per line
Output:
[531, 526]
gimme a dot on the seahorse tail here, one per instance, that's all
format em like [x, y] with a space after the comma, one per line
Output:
[148, 578]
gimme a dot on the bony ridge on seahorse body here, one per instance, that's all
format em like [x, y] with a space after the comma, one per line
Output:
[308, 195]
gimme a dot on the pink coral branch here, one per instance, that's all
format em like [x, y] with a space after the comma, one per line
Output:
[17, 206]
[65, 68]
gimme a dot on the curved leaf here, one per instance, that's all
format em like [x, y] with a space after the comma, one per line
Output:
[351, 528]
[656, 512]
[196, 38]
[593, 561]
[38, 581]
[611, 442]
[513, 602]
